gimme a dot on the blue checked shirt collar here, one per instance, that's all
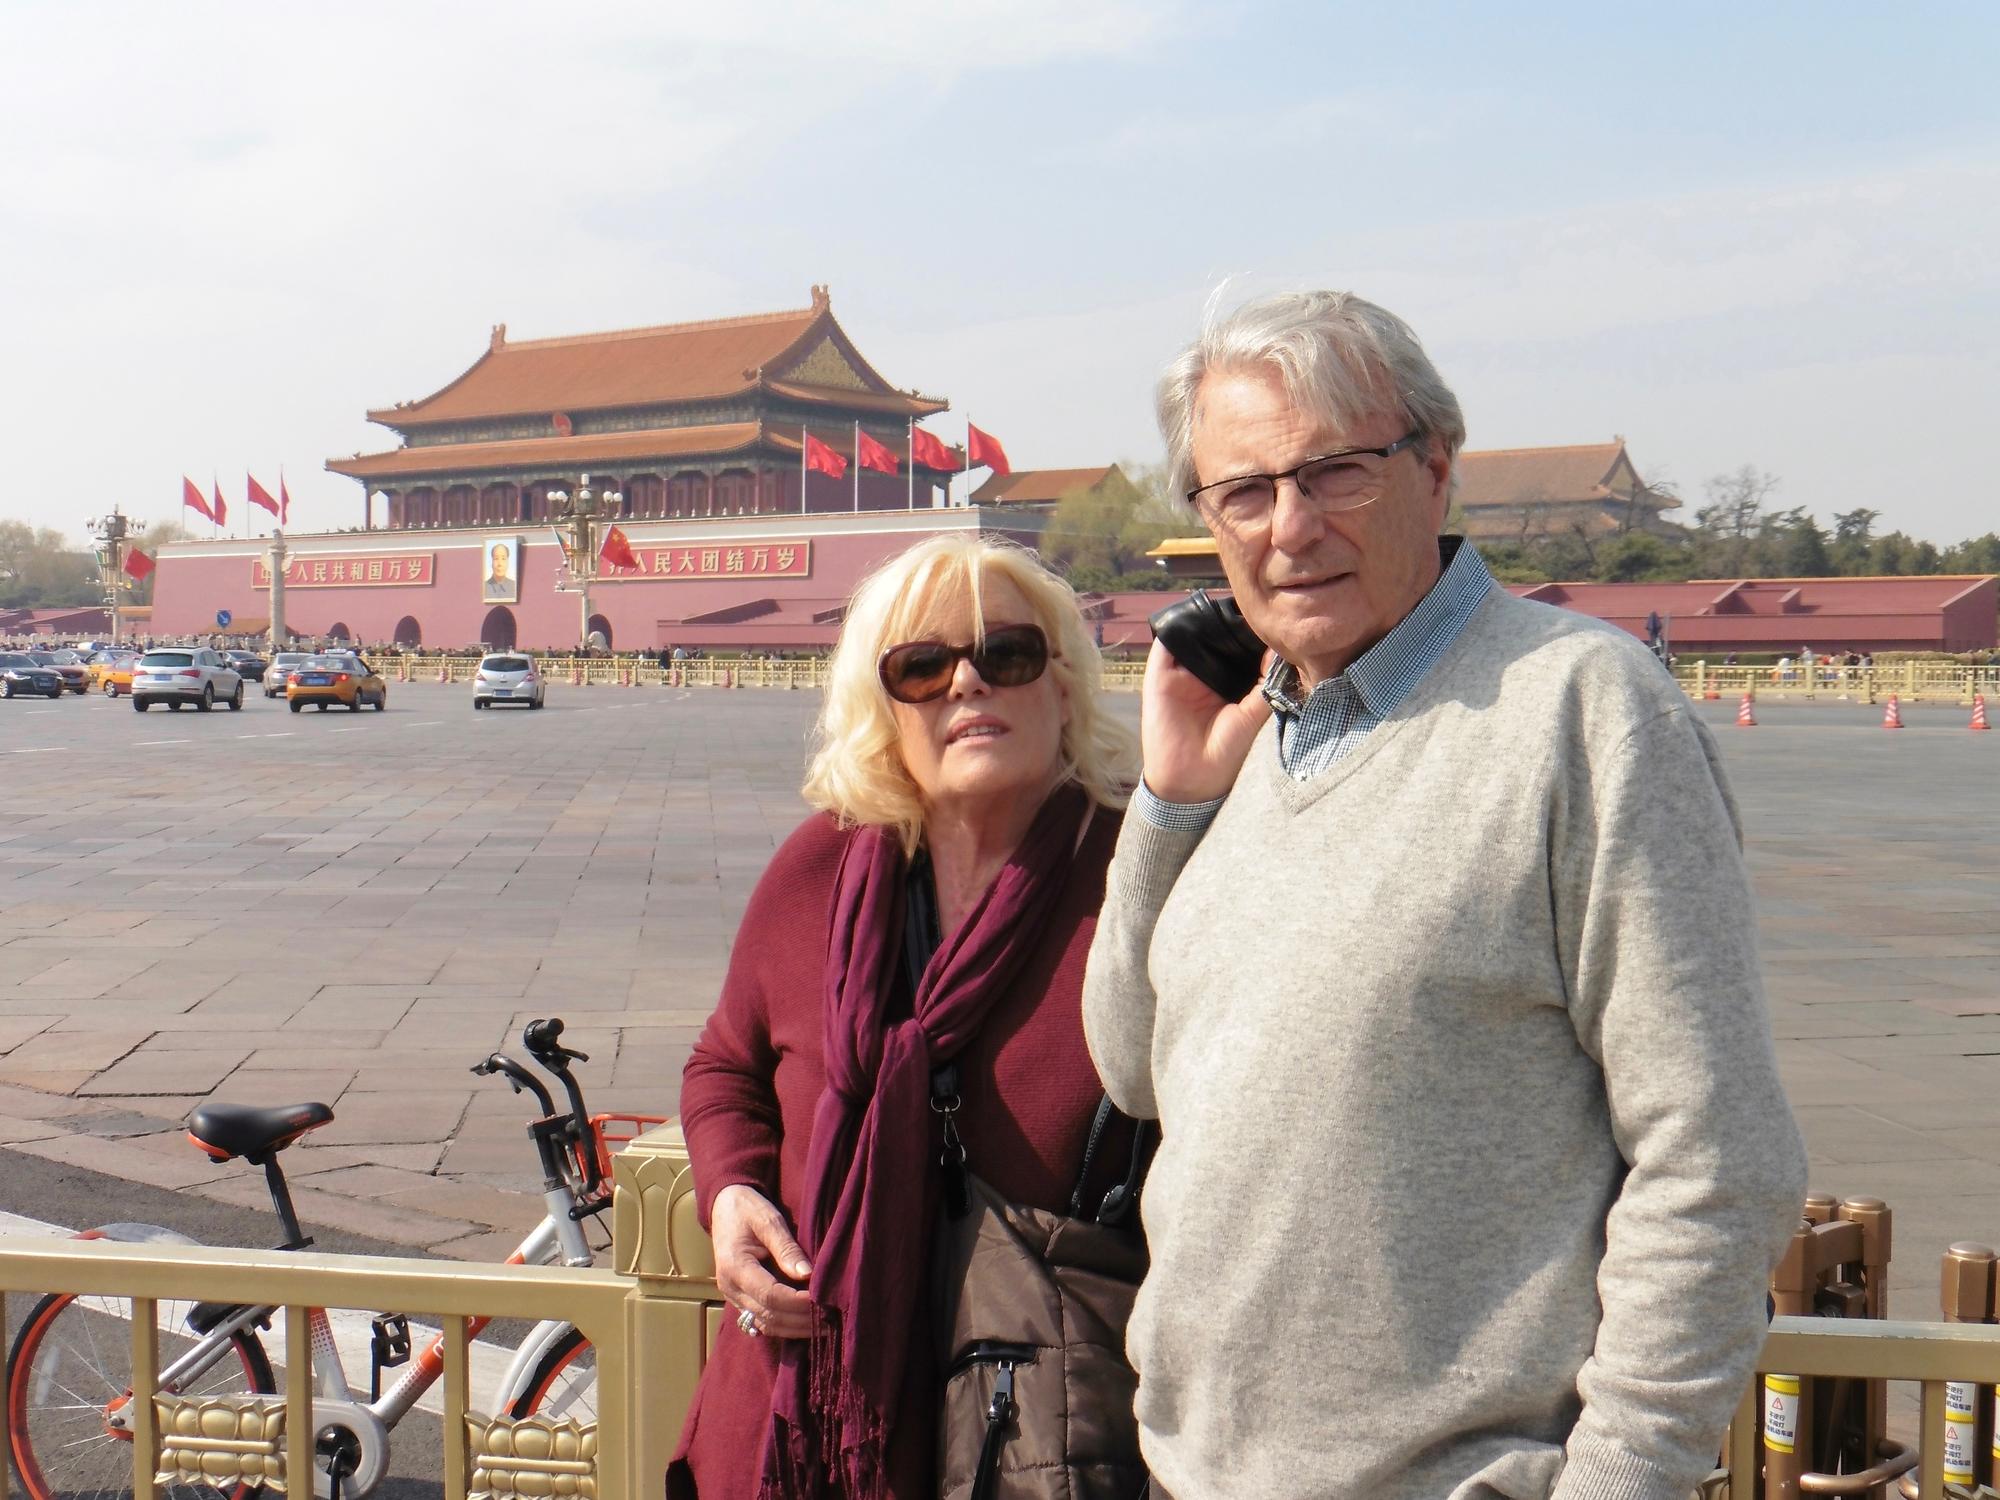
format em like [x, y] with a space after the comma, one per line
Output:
[1330, 722]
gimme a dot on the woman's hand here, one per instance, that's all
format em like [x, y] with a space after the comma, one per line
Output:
[1193, 742]
[748, 1232]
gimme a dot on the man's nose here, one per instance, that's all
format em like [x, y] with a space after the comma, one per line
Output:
[1296, 523]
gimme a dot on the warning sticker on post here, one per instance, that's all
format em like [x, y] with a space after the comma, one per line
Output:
[1961, 1430]
[1781, 1413]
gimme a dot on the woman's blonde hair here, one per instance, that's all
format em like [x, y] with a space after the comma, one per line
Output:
[857, 770]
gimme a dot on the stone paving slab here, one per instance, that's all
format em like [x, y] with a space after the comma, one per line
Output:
[358, 918]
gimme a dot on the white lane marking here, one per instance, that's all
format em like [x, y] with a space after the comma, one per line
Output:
[39, 750]
[44, 710]
[356, 729]
[160, 742]
[423, 723]
[353, 1332]
[282, 734]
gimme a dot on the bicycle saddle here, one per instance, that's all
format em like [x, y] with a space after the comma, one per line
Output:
[226, 1130]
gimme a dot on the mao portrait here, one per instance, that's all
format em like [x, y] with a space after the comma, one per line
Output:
[500, 570]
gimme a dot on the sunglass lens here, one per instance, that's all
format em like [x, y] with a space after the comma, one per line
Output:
[918, 671]
[1013, 656]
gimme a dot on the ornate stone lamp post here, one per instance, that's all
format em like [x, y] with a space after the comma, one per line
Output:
[576, 517]
[110, 532]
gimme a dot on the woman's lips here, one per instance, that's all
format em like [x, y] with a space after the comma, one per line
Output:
[975, 730]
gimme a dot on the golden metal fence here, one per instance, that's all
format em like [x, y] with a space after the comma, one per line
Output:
[652, 1316]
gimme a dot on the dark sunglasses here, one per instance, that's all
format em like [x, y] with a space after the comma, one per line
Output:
[921, 671]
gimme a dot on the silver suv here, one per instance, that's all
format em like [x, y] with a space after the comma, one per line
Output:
[506, 677]
[188, 674]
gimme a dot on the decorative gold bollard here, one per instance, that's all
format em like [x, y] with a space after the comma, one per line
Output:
[675, 1311]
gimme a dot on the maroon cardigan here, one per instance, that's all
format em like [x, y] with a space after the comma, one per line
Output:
[751, 1087]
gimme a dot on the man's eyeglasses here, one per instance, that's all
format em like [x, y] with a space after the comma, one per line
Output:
[1346, 480]
[921, 671]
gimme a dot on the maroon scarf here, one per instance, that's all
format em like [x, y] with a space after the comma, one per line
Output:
[834, 1406]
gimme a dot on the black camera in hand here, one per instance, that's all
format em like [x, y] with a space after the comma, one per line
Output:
[1210, 637]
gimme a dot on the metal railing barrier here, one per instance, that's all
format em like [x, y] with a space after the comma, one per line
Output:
[1811, 1423]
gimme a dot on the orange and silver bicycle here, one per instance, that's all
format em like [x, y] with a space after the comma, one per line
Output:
[69, 1375]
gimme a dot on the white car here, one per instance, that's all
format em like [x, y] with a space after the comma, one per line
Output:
[185, 674]
[507, 678]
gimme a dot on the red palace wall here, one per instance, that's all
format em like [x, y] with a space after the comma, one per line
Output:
[196, 579]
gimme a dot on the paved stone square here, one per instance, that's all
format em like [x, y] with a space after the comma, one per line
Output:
[355, 908]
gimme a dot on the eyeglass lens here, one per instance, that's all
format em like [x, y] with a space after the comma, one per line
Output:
[1339, 483]
[921, 670]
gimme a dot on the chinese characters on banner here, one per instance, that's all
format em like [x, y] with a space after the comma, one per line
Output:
[717, 560]
[373, 569]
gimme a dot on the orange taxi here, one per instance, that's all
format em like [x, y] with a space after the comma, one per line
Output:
[111, 672]
[330, 680]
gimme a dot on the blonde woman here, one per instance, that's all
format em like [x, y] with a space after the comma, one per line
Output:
[935, 913]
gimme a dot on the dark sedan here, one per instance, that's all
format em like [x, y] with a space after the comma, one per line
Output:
[20, 673]
[249, 665]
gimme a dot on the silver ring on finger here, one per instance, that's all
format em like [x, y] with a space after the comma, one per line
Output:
[747, 1321]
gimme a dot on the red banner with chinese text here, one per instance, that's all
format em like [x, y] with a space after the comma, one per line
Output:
[393, 570]
[716, 560]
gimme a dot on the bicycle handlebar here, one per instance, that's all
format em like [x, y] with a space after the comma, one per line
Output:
[543, 1039]
[520, 1077]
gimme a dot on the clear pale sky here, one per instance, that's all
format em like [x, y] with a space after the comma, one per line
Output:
[1735, 234]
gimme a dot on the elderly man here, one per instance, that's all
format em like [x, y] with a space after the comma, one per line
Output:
[1434, 958]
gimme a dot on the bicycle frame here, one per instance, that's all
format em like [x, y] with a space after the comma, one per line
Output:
[557, 1234]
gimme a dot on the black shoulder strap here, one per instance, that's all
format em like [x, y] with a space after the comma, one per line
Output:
[1124, 1197]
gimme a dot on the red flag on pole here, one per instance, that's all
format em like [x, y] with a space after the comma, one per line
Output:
[929, 451]
[617, 550]
[822, 459]
[873, 455]
[138, 565]
[284, 501]
[984, 448]
[260, 496]
[191, 497]
[219, 511]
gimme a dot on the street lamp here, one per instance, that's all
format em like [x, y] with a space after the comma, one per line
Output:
[576, 518]
[110, 533]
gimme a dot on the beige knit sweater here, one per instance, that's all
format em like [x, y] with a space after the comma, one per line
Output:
[1476, 1160]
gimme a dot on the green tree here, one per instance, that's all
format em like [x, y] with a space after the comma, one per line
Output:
[40, 568]
[1852, 531]
[1101, 534]
[1728, 527]
[1641, 557]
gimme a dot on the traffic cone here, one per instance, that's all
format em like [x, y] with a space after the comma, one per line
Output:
[1979, 712]
[1893, 718]
[1746, 717]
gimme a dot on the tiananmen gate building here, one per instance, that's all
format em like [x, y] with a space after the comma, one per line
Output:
[699, 427]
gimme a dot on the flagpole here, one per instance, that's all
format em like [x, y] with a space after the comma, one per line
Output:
[967, 471]
[857, 466]
[802, 468]
[910, 452]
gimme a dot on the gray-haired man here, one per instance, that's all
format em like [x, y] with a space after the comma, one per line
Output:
[1442, 981]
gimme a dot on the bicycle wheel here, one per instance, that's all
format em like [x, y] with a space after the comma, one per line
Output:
[563, 1383]
[72, 1364]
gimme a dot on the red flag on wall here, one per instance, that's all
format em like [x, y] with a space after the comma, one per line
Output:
[984, 448]
[284, 501]
[822, 459]
[219, 510]
[138, 565]
[872, 455]
[617, 550]
[929, 451]
[260, 496]
[191, 497]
